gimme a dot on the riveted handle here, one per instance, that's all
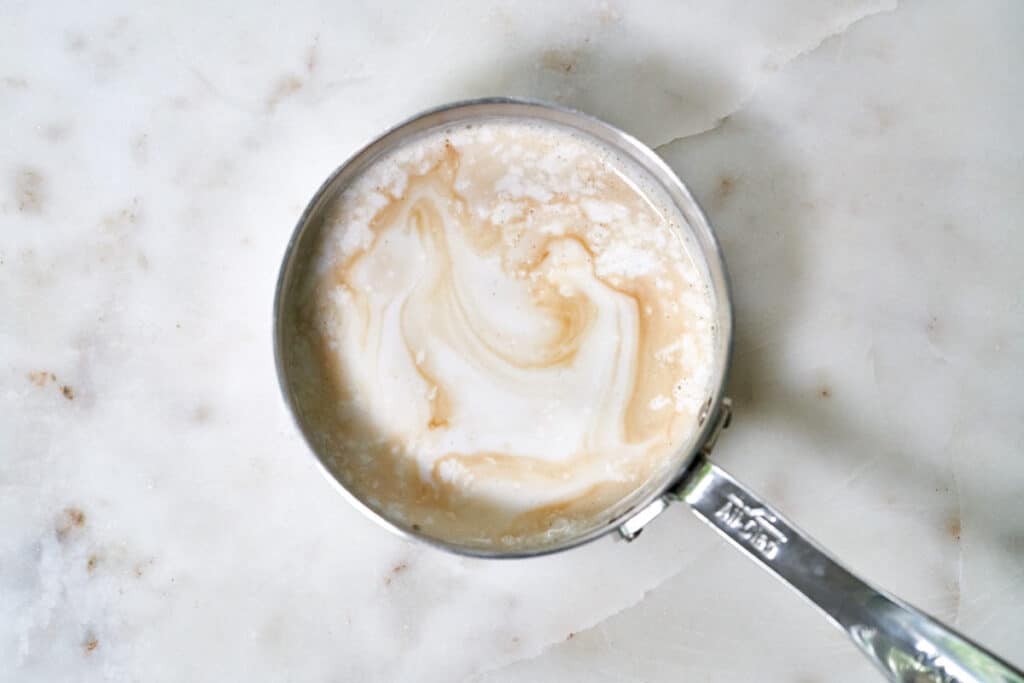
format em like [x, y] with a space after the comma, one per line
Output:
[906, 644]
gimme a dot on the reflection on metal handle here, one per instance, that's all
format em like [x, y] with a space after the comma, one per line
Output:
[906, 644]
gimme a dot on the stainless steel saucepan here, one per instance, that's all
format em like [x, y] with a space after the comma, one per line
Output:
[905, 643]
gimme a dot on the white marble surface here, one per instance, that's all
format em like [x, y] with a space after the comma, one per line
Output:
[159, 517]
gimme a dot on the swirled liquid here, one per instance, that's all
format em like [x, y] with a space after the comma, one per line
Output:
[498, 335]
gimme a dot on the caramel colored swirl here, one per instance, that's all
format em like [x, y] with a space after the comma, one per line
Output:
[499, 337]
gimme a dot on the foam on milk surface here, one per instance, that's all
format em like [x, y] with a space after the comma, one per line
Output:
[497, 336]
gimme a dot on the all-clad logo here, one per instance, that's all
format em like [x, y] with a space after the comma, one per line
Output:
[753, 525]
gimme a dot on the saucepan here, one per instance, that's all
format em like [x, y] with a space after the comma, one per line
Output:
[905, 643]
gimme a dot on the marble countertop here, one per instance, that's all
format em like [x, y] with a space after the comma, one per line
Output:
[160, 520]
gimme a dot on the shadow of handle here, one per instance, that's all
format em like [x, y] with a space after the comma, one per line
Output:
[906, 644]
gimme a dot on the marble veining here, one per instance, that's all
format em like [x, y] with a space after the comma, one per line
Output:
[160, 518]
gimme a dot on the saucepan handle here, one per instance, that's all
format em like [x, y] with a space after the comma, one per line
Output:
[906, 644]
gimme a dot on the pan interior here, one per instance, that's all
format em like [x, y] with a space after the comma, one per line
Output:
[467, 494]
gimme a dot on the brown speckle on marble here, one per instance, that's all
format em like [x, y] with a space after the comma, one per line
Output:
[572, 634]
[286, 87]
[119, 221]
[41, 378]
[92, 562]
[395, 571]
[724, 189]
[68, 521]
[90, 643]
[68, 392]
[825, 392]
[561, 61]
[953, 527]
[29, 190]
